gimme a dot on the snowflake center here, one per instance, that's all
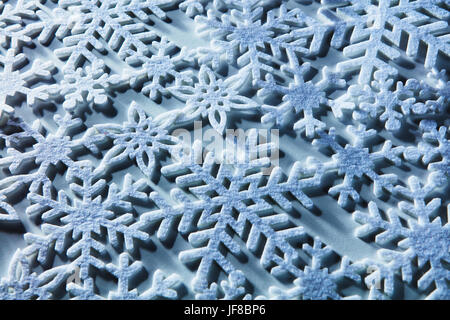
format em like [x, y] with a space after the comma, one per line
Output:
[141, 135]
[430, 241]
[213, 95]
[317, 284]
[355, 161]
[251, 35]
[159, 66]
[53, 150]
[304, 96]
[87, 217]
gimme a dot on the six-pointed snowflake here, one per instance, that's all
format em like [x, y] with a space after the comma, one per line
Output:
[101, 177]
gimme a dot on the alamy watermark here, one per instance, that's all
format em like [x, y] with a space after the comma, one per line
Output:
[75, 276]
[374, 278]
[236, 147]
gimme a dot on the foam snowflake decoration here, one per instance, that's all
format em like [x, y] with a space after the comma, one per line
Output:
[211, 97]
[354, 161]
[434, 150]
[83, 218]
[316, 282]
[83, 86]
[386, 105]
[425, 239]
[234, 186]
[163, 66]
[141, 138]
[48, 151]
[393, 107]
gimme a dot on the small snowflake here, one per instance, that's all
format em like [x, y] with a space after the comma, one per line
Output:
[389, 106]
[161, 67]
[48, 151]
[211, 97]
[301, 96]
[243, 31]
[84, 85]
[84, 217]
[434, 150]
[354, 161]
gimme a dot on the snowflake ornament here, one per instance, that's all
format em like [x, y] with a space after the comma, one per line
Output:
[211, 97]
[224, 150]
[316, 282]
[140, 138]
[155, 71]
[353, 161]
[433, 150]
[424, 240]
[302, 96]
[84, 218]
[242, 30]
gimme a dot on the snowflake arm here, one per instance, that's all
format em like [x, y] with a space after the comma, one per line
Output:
[15, 81]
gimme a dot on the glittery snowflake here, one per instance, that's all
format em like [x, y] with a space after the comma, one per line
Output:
[16, 81]
[243, 31]
[424, 241]
[353, 161]
[226, 149]
[211, 97]
[377, 25]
